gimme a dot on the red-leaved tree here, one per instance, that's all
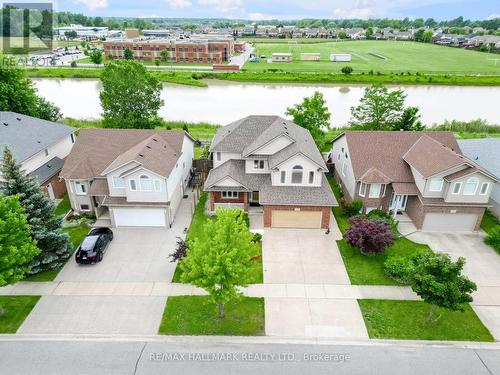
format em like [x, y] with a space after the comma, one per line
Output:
[370, 236]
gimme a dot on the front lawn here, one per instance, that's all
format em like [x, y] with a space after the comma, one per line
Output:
[76, 236]
[369, 269]
[489, 222]
[196, 231]
[16, 309]
[63, 207]
[387, 319]
[193, 315]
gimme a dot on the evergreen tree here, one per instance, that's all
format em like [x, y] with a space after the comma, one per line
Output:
[54, 246]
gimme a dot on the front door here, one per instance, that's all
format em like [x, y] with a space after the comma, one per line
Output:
[254, 198]
[399, 201]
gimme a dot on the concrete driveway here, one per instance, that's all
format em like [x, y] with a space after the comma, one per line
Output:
[308, 261]
[482, 266]
[134, 259]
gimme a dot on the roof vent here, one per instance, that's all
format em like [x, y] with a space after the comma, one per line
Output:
[38, 142]
[154, 139]
[148, 147]
[5, 124]
[49, 166]
[141, 155]
[18, 118]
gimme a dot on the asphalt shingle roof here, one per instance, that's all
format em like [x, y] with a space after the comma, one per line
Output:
[485, 152]
[26, 136]
[47, 170]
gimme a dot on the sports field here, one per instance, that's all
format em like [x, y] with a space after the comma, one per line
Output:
[379, 56]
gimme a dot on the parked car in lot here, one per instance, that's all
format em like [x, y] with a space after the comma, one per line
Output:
[93, 246]
[254, 59]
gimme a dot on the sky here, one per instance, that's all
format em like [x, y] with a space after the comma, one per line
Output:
[285, 9]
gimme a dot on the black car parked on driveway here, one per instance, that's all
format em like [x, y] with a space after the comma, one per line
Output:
[93, 246]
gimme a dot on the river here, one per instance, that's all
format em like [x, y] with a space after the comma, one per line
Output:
[223, 102]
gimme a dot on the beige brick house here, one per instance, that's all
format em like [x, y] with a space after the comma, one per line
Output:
[421, 174]
[269, 162]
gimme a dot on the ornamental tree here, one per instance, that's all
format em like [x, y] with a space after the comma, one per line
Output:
[439, 281]
[369, 236]
[130, 96]
[40, 215]
[221, 261]
[96, 56]
[17, 248]
[312, 114]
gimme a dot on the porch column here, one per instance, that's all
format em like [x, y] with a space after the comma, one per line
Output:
[245, 201]
[397, 199]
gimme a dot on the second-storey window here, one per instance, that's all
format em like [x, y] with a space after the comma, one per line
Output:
[218, 155]
[157, 185]
[484, 188]
[470, 186]
[133, 185]
[436, 184]
[297, 174]
[283, 177]
[80, 188]
[145, 183]
[311, 177]
[456, 188]
[118, 182]
[258, 164]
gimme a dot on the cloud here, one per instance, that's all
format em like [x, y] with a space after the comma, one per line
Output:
[493, 16]
[361, 13]
[179, 4]
[94, 4]
[224, 6]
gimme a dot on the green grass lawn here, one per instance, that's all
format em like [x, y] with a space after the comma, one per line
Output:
[64, 206]
[193, 315]
[16, 309]
[399, 57]
[388, 319]
[76, 236]
[196, 231]
[489, 222]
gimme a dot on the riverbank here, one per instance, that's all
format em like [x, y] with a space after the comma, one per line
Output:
[196, 78]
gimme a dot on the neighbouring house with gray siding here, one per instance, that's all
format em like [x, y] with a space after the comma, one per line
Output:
[486, 153]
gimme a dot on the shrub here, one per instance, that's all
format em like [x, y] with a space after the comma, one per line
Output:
[347, 70]
[378, 214]
[493, 239]
[398, 268]
[351, 208]
[73, 64]
[180, 252]
[257, 237]
[384, 216]
[370, 236]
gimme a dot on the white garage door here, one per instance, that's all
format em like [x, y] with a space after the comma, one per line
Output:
[139, 217]
[296, 219]
[449, 222]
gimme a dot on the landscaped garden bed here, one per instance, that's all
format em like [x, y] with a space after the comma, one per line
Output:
[195, 315]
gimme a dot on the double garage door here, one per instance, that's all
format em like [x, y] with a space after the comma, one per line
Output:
[140, 217]
[450, 222]
[296, 219]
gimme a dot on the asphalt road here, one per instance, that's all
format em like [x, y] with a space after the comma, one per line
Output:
[199, 357]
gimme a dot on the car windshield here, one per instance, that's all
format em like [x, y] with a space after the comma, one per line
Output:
[88, 243]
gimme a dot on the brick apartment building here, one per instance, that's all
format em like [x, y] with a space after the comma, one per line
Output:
[193, 50]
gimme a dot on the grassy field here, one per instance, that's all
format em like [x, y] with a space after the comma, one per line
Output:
[194, 315]
[397, 57]
[16, 309]
[387, 319]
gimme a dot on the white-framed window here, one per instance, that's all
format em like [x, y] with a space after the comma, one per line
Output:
[72, 136]
[383, 190]
[84, 207]
[118, 182]
[362, 189]
[470, 187]
[436, 184]
[145, 183]
[311, 177]
[344, 168]
[258, 164]
[218, 156]
[80, 188]
[157, 184]
[484, 188]
[283, 177]
[133, 185]
[374, 191]
[456, 188]
[230, 194]
[297, 174]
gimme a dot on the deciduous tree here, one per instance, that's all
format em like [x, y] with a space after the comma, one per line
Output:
[130, 96]
[369, 236]
[221, 262]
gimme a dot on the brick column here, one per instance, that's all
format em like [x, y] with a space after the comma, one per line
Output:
[245, 201]
[212, 205]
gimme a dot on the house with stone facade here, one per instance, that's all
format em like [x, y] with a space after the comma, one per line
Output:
[423, 175]
[39, 147]
[129, 177]
[273, 165]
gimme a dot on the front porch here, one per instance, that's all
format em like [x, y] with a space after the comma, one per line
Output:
[243, 199]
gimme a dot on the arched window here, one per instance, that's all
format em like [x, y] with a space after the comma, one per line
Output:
[145, 183]
[470, 187]
[297, 174]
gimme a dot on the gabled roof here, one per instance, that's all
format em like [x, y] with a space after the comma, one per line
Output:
[251, 133]
[384, 151]
[47, 170]
[26, 136]
[97, 149]
[430, 157]
[235, 169]
[484, 152]
[374, 176]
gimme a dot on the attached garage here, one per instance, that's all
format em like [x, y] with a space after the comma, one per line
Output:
[140, 217]
[296, 219]
[448, 222]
